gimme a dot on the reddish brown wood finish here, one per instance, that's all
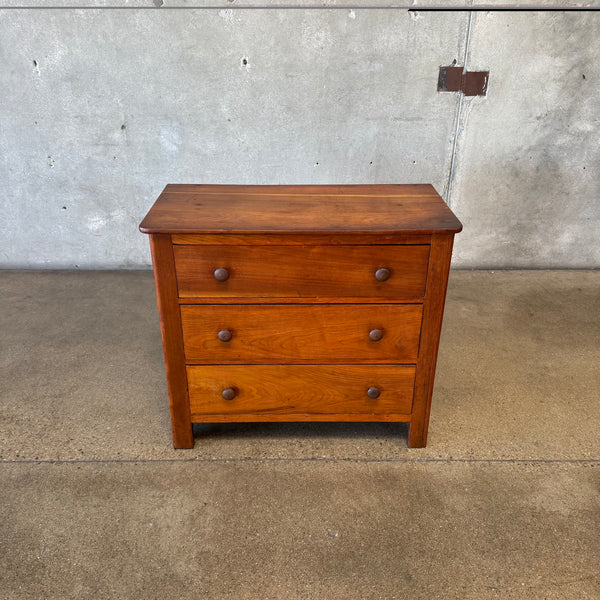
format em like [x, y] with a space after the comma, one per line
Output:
[307, 333]
[300, 302]
[297, 239]
[301, 392]
[358, 209]
[325, 300]
[433, 311]
[170, 329]
[301, 271]
[364, 189]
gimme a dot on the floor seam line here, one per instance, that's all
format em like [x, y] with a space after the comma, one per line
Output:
[310, 459]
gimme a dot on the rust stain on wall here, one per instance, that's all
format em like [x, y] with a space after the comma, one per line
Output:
[471, 83]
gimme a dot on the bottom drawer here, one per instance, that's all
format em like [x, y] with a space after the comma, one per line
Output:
[301, 392]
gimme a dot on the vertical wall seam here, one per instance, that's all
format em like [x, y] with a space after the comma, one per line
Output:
[453, 151]
[468, 41]
[458, 115]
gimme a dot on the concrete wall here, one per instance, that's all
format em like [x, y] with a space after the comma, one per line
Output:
[101, 107]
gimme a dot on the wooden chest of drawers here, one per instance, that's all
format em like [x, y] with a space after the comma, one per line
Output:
[300, 303]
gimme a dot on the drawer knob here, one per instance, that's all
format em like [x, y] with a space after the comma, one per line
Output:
[382, 274]
[221, 274]
[373, 393]
[375, 335]
[225, 335]
[229, 393]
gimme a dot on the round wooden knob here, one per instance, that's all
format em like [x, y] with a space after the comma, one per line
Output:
[221, 274]
[225, 335]
[382, 274]
[229, 393]
[373, 393]
[375, 335]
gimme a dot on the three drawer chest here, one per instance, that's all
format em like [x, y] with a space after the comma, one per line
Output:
[300, 303]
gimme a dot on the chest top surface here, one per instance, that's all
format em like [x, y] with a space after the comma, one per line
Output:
[382, 208]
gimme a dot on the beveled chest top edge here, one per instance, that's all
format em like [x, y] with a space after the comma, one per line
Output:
[302, 209]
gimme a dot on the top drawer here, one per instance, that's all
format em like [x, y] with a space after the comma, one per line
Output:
[301, 271]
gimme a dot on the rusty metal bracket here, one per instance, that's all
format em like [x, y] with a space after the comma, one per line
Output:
[471, 83]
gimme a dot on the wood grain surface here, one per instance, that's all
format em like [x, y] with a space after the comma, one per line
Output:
[302, 271]
[433, 312]
[299, 239]
[309, 209]
[170, 328]
[291, 333]
[301, 392]
[298, 327]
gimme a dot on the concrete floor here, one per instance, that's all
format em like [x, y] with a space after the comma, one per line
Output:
[503, 503]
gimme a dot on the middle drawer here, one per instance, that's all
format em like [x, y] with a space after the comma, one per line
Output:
[346, 333]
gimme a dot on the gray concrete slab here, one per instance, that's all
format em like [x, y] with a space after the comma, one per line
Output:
[542, 4]
[102, 108]
[97, 117]
[526, 179]
[83, 375]
[503, 503]
[232, 5]
[289, 529]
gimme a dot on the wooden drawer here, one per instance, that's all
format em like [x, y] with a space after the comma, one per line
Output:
[288, 332]
[301, 271]
[295, 392]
